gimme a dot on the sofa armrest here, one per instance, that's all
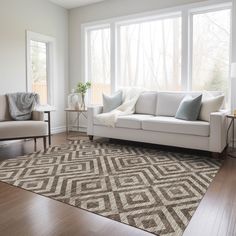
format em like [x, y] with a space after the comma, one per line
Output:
[92, 112]
[38, 115]
[218, 131]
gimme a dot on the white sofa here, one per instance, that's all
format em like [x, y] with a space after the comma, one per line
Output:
[154, 122]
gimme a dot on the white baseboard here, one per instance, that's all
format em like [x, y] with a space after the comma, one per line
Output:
[57, 130]
[81, 129]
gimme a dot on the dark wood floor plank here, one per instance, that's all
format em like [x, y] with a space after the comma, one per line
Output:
[26, 213]
[216, 214]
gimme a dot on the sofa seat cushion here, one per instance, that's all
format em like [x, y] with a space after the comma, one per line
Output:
[132, 121]
[21, 129]
[173, 125]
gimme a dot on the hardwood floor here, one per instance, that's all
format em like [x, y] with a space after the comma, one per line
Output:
[24, 213]
[216, 214]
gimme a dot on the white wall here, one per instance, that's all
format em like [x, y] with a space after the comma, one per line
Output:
[101, 11]
[41, 16]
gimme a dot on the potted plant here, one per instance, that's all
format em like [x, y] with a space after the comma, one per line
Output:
[82, 89]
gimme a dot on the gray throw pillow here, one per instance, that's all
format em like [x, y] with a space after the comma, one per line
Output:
[189, 108]
[112, 102]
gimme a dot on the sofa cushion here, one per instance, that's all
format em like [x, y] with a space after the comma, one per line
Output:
[146, 103]
[173, 125]
[132, 121]
[168, 102]
[21, 129]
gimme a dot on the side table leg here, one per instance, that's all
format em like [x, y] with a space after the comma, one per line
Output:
[67, 128]
[49, 129]
[233, 134]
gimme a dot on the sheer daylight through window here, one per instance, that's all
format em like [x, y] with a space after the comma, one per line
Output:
[99, 63]
[211, 51]
[38, 51]
[178, 50]
[150, 54]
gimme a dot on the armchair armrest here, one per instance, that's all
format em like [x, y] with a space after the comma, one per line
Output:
[38, 115]
[218, 130]
[92, 112]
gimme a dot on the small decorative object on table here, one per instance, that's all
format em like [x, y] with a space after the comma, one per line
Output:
[82, 89]
[73, 99]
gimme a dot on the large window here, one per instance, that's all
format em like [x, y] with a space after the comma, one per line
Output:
[175, 50]
[150, 54]
[39, 76]
[211, 50]
[99, 63]
[40, 60]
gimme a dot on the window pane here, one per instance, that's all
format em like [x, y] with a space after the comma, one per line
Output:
[39, 69]
[211, 50]
[99, 61]
[150, 55]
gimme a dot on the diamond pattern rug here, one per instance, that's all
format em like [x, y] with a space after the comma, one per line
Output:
[157, 191]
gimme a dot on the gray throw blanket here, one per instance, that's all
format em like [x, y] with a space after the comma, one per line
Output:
[21, 105]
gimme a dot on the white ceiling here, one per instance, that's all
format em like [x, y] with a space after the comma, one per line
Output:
[69, 4]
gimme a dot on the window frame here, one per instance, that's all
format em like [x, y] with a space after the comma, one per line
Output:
[202, 10]
[87, 64]
[186, 12]
[50, 44]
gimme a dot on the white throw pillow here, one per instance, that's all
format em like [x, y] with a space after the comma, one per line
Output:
[210, 105]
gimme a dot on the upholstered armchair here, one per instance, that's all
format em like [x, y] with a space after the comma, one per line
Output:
[14, 130]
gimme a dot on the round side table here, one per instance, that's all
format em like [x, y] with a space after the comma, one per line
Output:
[79, 114]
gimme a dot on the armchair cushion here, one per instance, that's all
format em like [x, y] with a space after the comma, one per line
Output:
[21, 129]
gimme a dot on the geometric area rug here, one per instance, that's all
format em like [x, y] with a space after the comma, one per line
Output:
[151, 189]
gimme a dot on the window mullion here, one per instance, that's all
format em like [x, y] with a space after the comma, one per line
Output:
[113, 56]
[186, 53]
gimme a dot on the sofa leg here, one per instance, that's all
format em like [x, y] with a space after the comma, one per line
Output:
[44, 143]
[35, 144]
[91, 137]
[217, 155]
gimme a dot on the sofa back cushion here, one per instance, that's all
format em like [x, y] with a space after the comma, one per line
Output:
[4, 111]
[146, 103]
[168, 102]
